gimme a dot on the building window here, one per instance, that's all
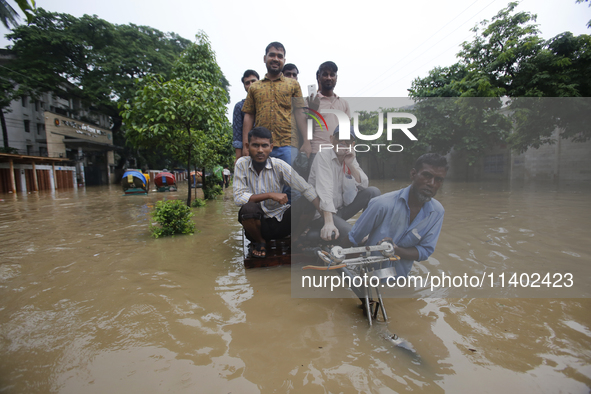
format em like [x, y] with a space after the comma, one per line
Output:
[494, 164]
[24, 101]
[40, 128]
[29, 150]
[27, 126]
[61, 111]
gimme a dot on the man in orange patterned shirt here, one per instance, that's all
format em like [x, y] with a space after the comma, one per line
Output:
[269, 104]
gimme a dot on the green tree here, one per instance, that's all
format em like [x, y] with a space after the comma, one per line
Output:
[8, 92]
[9, 16]
[198, 63]
[451, 119]
[560, 74]
[101, 60]
[441, 82]
[468, 125]
[177, 116]
[508, 58]
[498, 52]
[584, 1]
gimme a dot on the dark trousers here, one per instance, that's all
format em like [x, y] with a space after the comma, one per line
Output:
[271, 228]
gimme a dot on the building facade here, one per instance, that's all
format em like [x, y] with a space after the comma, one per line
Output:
[53, 127]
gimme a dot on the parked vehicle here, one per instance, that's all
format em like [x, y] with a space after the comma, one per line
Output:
[134, 182]
[165, 182]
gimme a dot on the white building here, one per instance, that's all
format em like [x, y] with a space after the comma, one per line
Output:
[53, 127]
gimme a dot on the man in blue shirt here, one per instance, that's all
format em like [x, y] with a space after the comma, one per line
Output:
[249, 77]
[410, 217]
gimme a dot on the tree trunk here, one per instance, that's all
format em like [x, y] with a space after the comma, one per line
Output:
[203, 187]
[4, 129]
[189, 170]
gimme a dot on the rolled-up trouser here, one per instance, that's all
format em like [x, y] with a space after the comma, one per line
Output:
[271, 228]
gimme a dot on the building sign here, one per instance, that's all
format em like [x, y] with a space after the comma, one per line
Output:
[81, 128]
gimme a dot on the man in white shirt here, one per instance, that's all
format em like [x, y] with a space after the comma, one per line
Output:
[325, 98]
[226, 175]
[258, 182]
[342, 187]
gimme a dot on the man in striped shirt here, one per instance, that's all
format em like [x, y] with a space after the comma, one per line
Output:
[258, 183]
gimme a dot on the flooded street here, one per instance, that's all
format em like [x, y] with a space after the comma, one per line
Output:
[90, 303]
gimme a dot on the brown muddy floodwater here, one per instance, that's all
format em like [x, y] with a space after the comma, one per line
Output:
[91, 304]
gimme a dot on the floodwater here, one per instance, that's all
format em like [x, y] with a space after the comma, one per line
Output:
[89, 303]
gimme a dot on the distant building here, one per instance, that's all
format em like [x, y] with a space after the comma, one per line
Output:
[54, 127]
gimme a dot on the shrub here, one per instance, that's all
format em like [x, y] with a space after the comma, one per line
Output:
[198, 203]
[211, 187]
[212, 192]
[172, 217]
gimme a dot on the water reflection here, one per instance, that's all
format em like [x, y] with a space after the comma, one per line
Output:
[90, 303]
